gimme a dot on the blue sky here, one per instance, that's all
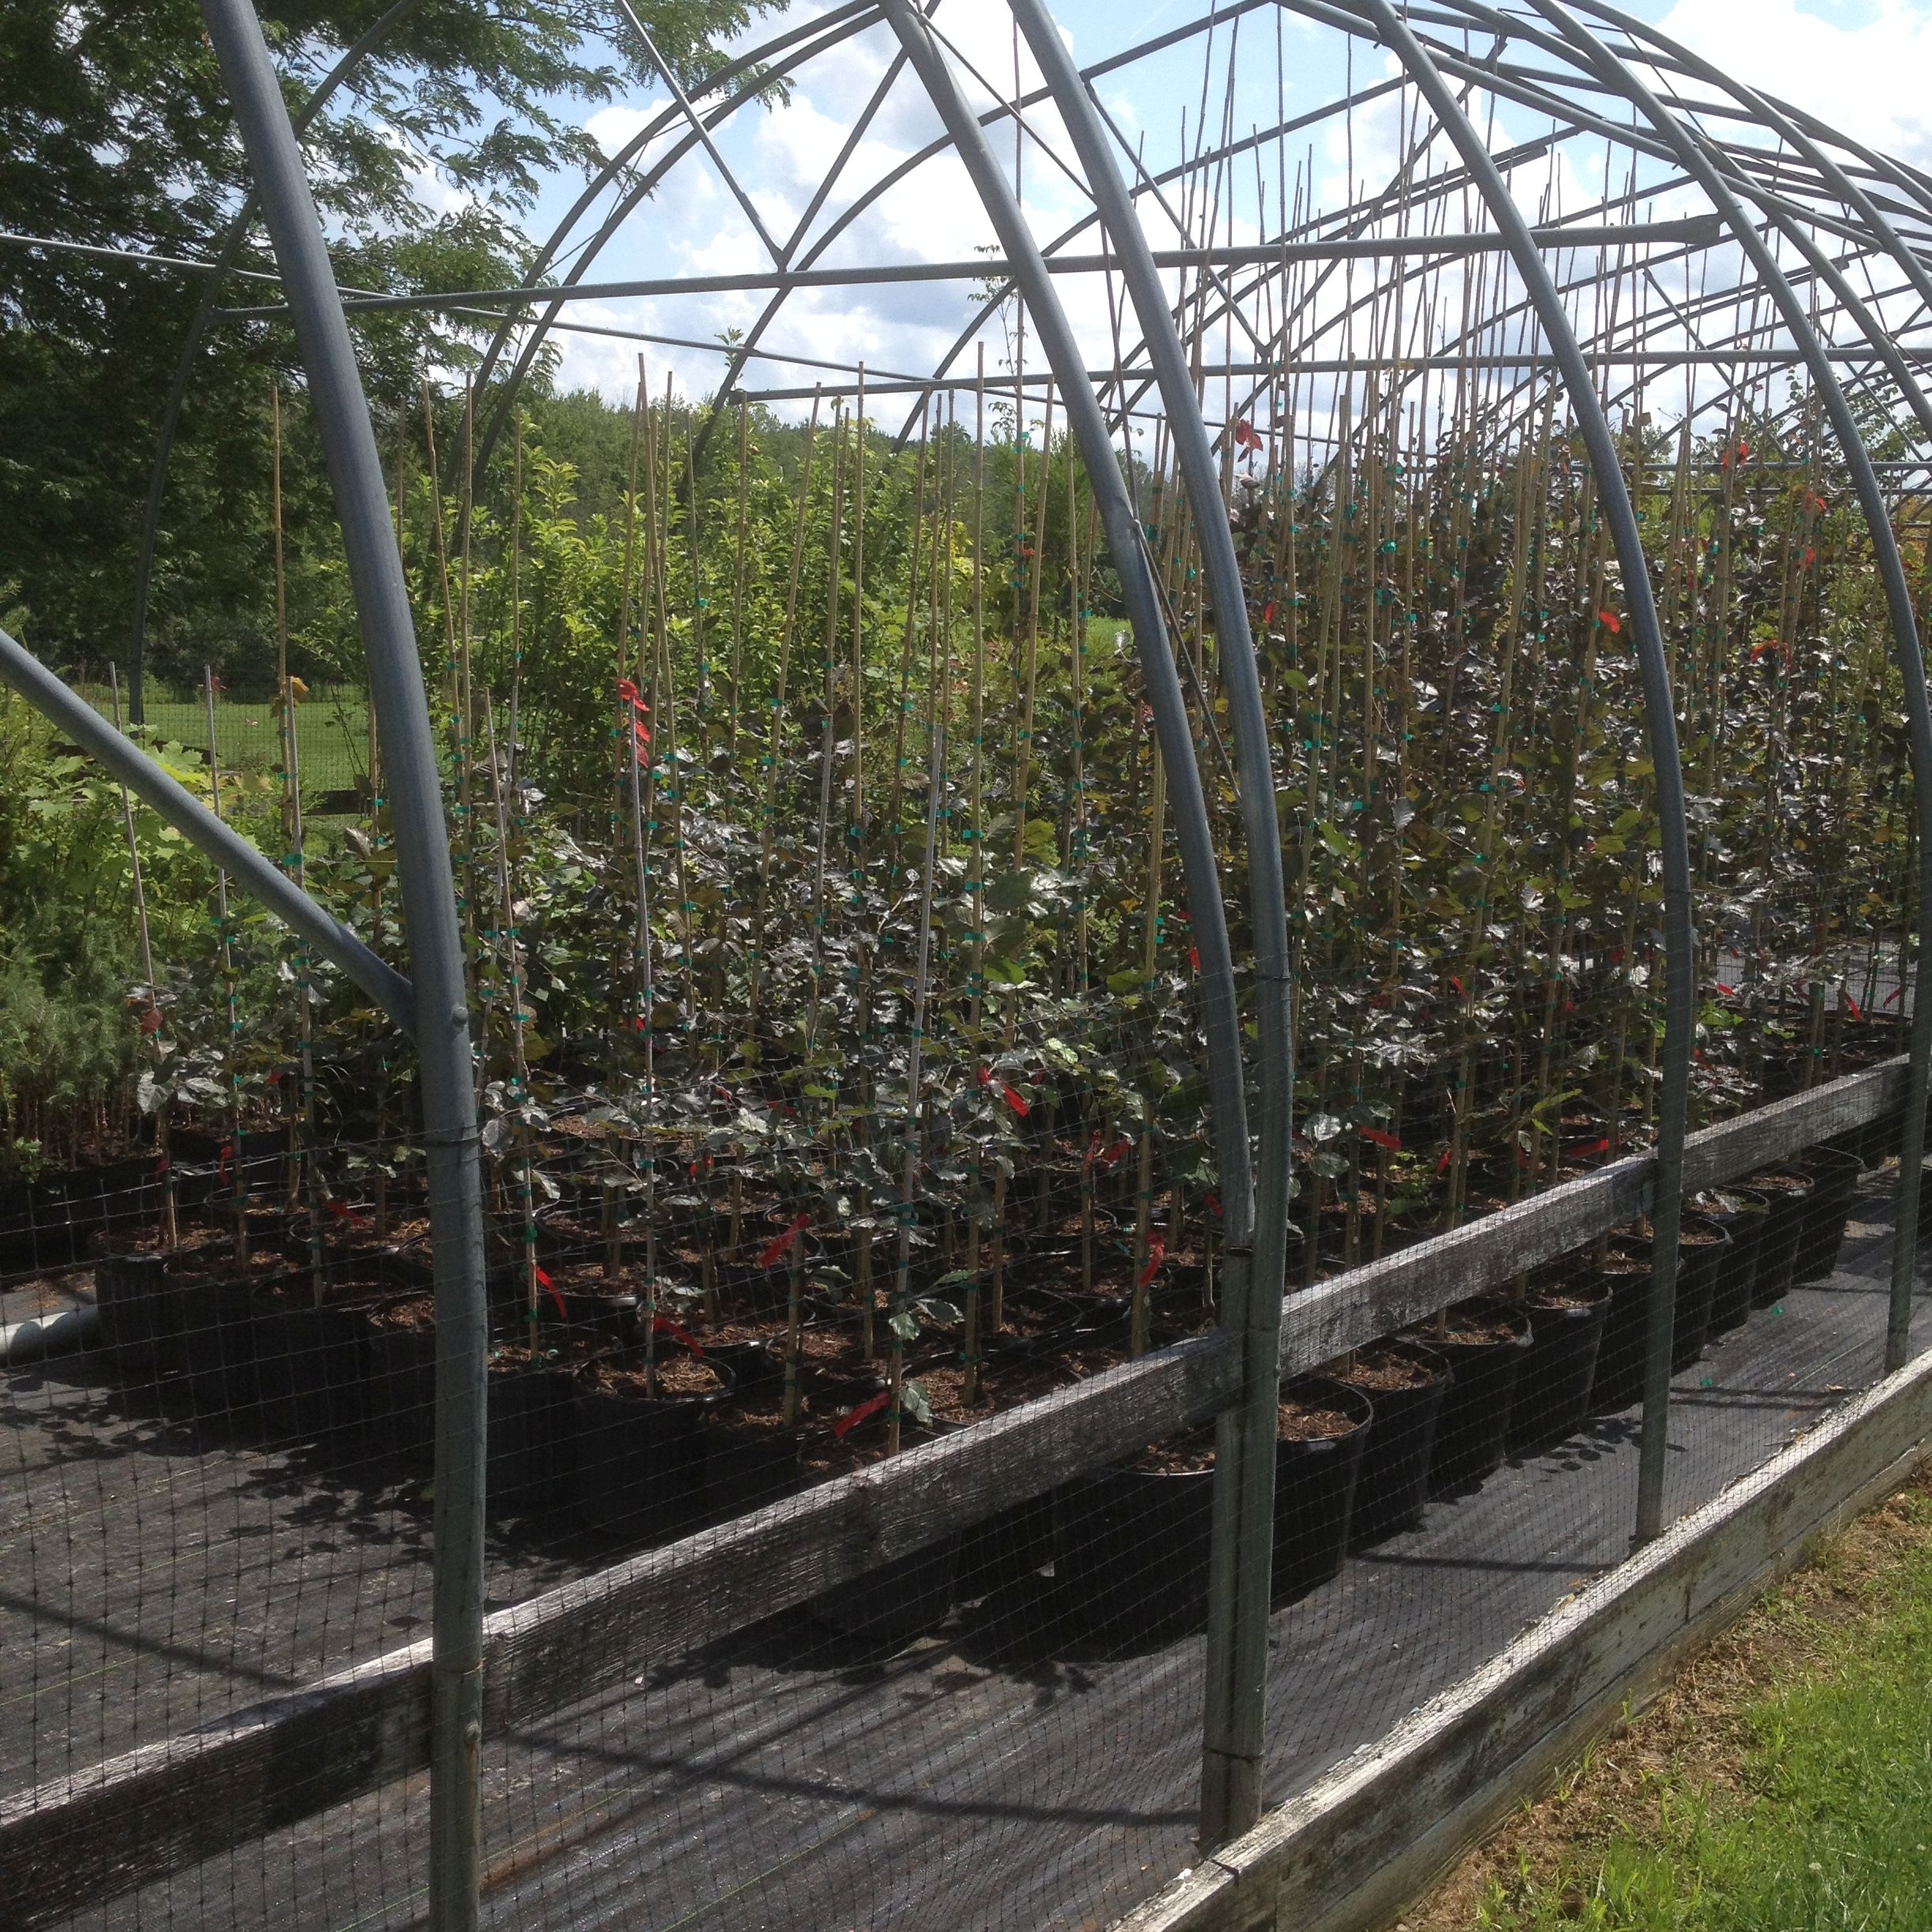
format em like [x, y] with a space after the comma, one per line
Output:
[1865, 64]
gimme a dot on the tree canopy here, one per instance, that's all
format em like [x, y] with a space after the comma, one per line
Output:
[115, 131]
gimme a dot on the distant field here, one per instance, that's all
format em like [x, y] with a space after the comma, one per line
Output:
[332, 735]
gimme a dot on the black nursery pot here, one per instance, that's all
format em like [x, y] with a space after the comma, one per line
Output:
[1703, 1248]
[1702, 1255]
[1835, 1178]
[1315, 1484]
[399, 1394]
[1789, 1191]
[1744, 1220]
[1392, 1490]
[218, 1350]
[900, 1599]
[1473, 1431]
[1567, 1321]
[139, 1301]
[1619, 1379]
[640, 1460]
[1130, 1551]
[532, 1438]
[745, 1468]
[309, 1366]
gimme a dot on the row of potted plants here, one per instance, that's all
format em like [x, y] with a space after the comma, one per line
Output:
[646, 1431]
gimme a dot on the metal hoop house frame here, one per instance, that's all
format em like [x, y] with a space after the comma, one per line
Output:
[1769, 245]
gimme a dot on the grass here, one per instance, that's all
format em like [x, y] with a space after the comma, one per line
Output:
[1783, 1784]
[331, 734]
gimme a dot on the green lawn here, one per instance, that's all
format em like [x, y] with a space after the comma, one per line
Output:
[1802, 1803]
[332, 735]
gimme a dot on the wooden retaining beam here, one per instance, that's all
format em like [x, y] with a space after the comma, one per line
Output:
[1351, 1853]
[77, 1840]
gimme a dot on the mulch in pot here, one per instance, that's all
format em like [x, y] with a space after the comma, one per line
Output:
[1568, 1311]
[1485, 1342]
[1322, 1428]
[1407, 1383]
[639, 1460]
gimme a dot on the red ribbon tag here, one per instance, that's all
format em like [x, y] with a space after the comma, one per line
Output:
[1852, 1007]
[550, 1287]
[1442, 1166]
[1194, 957]
[1376, 1137]
[1728, 992]
[1157, 1253]
[1013, 1100]
[663, 1324]
[1611, 623]
[776, 1251]
[864, 1413]
[1268, 615]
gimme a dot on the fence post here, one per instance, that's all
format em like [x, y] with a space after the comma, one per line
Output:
[436, 946]
[1240, 1572]
[1659, 730]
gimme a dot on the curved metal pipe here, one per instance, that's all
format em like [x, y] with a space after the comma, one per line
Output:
[371, 37]
[1660, 729]
[1240, 1569]
[1906, 645]
[436, 950]
[1193, 833]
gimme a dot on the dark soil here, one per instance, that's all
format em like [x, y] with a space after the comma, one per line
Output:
[1181, 1455]
[1303, 1421]
[1379, 1367]
[680, 1375]
[1002, 1385]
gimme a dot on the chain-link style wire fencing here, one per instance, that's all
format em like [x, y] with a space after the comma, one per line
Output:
[853, 1251]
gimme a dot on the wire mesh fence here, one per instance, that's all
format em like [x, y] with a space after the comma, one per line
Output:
[225, 1497]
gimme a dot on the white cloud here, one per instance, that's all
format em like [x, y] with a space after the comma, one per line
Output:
[1867, 75]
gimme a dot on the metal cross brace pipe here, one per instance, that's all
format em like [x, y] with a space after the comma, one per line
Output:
[1256, 255]
[25, 673]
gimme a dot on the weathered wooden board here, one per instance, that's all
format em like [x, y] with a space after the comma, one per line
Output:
[558, 1648]
[1354, 1309]
[167, 1806]
[171, 1804]
[266, 1766]
[1348, 1853]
